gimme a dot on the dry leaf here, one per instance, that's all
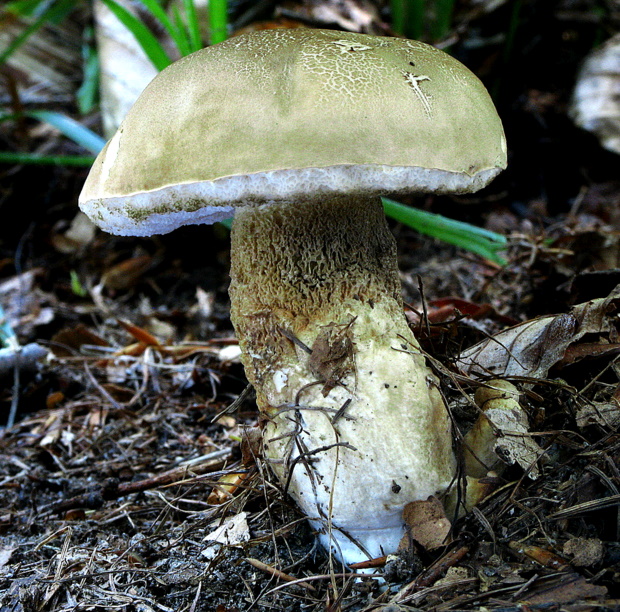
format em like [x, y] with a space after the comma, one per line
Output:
[501, 433]
[68, 341]
[532, 348]
[605, 414]
[567, 588]
[233, 532]
[5, 555]
[453, 575]
[595, 106]
[46, 63]
[80, 233]
[25, 306]
[584, 552]
[426, 523]
[226, 487]
[126, 274]
[545, 557]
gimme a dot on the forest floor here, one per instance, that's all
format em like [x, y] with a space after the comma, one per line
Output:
[128, 448]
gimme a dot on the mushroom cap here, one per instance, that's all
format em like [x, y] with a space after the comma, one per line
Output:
[288, 115]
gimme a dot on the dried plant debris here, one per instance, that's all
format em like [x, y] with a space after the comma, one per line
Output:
[501, 435]
[130, 479]
[532, 348]
[595, 106]
[352, 15]
[427, 524]
[45, 66]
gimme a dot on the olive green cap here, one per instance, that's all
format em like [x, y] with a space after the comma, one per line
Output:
[288, 115]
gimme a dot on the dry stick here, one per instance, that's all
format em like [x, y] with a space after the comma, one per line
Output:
[192, 608]
[274, 571]
[318, 577]
[432, 574]
[295, 340]
[236, 403]
[111, 489]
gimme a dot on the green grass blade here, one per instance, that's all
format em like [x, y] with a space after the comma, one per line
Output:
[475, 239]
[184, 44]
[444, 10]
[71, 129]
[53, 12]
[146, 39]
[193, 26]
[218, 21]
[175, 32]
[9, 157]
[397, 9]
[86, 95]
[26, 8]
[415, 18]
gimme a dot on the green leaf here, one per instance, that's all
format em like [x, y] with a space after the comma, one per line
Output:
[174, 31]
[183, 44]
[443, 11]
[70, 128]
[146, 39]
[218, 21]
[408, 17]
[193, 26]
[10, 157]
[86, 95]
[475, 239]
[55, 11]
[76, 285]
[28, 8]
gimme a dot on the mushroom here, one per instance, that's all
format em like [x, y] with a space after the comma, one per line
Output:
[297, 133]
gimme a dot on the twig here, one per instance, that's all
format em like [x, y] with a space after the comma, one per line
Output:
[111, 489]
[432, 574]
[274, 571]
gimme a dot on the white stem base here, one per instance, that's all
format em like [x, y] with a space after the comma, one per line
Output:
[378, 440]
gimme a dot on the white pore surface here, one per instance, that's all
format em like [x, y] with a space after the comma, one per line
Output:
[164, 210]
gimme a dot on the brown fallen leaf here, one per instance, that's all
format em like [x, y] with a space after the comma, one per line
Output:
[605, 414]
[532, 348]
[140, 334]
[545, 557]
[79, 234]
[68, 341]
[5, 554]
[126, 274]
[583, 552]
[565, 589]
[227, 485]
[426, 523]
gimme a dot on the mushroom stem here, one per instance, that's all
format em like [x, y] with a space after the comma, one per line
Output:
[355, 427]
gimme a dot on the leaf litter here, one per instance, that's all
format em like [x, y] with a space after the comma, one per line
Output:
[136, 438]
